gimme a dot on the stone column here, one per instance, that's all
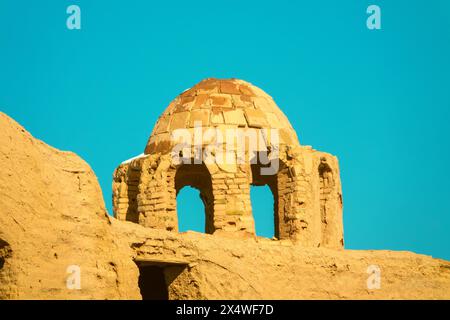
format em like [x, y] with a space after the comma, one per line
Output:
[157, 196]
[232, 207]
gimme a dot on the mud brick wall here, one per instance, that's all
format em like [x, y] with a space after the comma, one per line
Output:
[232, 207]
[306, 188]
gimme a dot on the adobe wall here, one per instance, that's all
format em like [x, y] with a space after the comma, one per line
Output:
[307, 195]
[53, 216]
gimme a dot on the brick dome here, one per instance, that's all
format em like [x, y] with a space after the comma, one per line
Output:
[304, 182]
[220, 103]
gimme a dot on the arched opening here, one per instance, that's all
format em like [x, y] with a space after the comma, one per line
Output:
[190, 210]
[279, 183]
[196, 176]
[264, 197]
[263, 210]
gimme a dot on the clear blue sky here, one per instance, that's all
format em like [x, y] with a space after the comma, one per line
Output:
[379, 100]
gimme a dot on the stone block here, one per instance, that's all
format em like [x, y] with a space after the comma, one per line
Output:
[220, 100]
[235, 117]
[201, 101]
[273, 120]
[263, 104]
[235, 212]
[255, 118]
[219, 176]
[240, 102]
[241, 180]
[207, 86]
[200, 116]
[179, 120]
[246, 90]
[217, 117]
[162, 125]
[229, 87]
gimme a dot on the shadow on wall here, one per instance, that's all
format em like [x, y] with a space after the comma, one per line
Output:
[5, 276]
[5, 252]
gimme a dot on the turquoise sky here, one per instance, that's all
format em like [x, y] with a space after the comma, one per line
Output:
[379, 100]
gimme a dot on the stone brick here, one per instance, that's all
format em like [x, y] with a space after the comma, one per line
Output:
[162, 125]
[179, 120]
[246, 90]
[235, 117]
[229, 87]
[262, 104]
[199, 116]
[241, 180]
[217, 117]
[221, 101]
[207, 86]
[273, 120]
[240, 102]
[201, 101]
[255, 118]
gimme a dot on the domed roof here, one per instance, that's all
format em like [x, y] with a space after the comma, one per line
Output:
[220, 103]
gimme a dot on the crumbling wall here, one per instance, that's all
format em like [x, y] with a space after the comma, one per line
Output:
[306, 189]
[126, 179]
[330, 195]
[223, 268]
[232, 206]
[52, 216]
[157, 194]
[229, 115]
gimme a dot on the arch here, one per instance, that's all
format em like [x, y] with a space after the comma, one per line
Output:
[198, 177]
[190, 209]
[263, 209]
[278, 185]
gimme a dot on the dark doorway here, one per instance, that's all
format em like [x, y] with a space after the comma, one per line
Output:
[152, 283]
[156, 277]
